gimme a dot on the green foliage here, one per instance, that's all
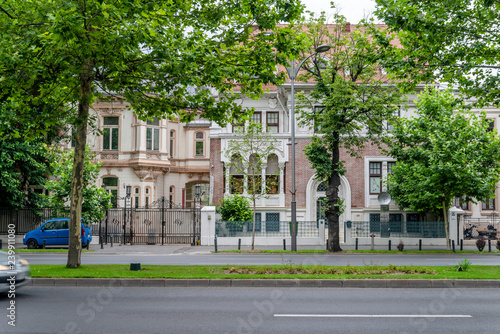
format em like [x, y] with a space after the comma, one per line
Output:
[442, 153]
[463, 265]
[236, 208]
[401, 246]
[355, 99]
[480, 243]
[95, 199]
[498, 245]
[451, 41]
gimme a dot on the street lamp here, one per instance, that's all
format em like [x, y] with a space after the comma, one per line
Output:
[292, 74]
[128, 192]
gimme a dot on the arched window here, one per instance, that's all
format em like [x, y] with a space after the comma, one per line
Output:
[254, 175]
[153, 135]
[272, 175]
[111, 186]
[172, 143]
[199, 142]
[236, 175]
[322, 186]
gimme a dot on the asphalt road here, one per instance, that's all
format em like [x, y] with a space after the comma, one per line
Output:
[257, 310]
[268, 259]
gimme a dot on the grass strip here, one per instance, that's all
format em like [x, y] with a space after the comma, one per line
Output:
[318, 251]
[267, 272]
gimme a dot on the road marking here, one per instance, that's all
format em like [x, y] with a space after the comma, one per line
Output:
[373, 315]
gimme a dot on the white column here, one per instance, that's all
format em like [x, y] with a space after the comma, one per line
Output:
[245, 181]
[228, 178]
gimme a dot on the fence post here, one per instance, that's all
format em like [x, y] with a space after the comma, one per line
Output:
[284, 244]
[389, 244]
[100, 241]
[489, 245]
[120, 240]
[419, 244]
[453, 245]
[239, 244]
[461, 244]
[163, 223]
[215, 243]
[356, 243]
[0, 243]
[111, 239]
[106, 227]
[326, 244]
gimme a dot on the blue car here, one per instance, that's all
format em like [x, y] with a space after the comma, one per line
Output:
[54, 232]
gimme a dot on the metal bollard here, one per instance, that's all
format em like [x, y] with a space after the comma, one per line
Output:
[356, 243]
[489, 245]
[88, 245]
[461, 244]
[284, 244]
[326, 244]
[100, 241]
[0, 243]
[44, 243]
[419, 244]
[215, 243]
[239, 244]
[120, 240]
[111, 240]
[453, 245]
[389, 244]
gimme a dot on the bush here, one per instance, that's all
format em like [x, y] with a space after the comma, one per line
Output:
[463, 265]
[236, 208]
[498, 245]
[480, 243]
[401, 246]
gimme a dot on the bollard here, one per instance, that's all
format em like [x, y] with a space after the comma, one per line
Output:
[356, 243]
[389, 244]
[326, 244]
[453, 245]
[284, 244]
[120, 240]
[111, 240]
[489, 245]
[419, 244]
[239, 244]
[461, 244]
[100, 241]
[88, 244]
[215, 243]
[0, 243]
[44, 243]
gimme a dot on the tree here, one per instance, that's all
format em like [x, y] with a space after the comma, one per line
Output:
[235, 208]
[95, 199]
[355, 100]
[443, 153]
[250, 154]
[452, 41]
[167, 58]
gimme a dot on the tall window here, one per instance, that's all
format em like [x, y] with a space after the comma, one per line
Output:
[153, 135]
[171, 196]
[137, 197]
[390, 168]
[272, 175]
[272, 122]
[257, 117]
[255, 176]
[172, 143]
[111, 184]
[148, 196]
[461, 203]
[375, 177]
[110, 133]
[395, 115]
[236, 178]
[199, 142]
[489, 204]
[491, 125]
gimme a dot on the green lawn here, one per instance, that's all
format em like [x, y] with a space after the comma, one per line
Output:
[309, 251]
[277, 271]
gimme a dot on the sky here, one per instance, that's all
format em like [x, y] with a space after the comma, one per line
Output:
[353, 10]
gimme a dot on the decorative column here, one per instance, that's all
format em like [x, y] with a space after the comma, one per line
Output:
[281, 165]
[228, 178]
[245, 181]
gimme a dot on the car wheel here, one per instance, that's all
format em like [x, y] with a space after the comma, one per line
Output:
[32, 244]
[84, 245]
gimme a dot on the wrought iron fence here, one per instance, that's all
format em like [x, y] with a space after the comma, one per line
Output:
[407, 229]
[24, 220]
[305, 229]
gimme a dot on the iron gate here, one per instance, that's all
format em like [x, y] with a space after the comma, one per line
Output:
[157, 224]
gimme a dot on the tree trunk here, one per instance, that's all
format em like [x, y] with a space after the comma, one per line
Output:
[446, 227]
[76, 199]
[332, 212]
[254, 199]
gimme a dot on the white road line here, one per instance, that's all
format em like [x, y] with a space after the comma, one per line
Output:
[373, 316]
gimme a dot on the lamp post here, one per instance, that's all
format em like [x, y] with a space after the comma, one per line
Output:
[100, 221]
[292, 74]
[128, 193]
[197, 194]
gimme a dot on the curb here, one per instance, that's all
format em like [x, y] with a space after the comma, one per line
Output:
[275, 283]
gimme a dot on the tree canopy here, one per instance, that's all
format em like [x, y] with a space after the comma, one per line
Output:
[349, 104]
[167, 58]
[442, 153]
[452, 41]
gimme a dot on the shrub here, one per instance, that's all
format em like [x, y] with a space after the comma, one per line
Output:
[463, 265]
[236, 208]
[498, 245]
[401, 246]
[480, 243]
